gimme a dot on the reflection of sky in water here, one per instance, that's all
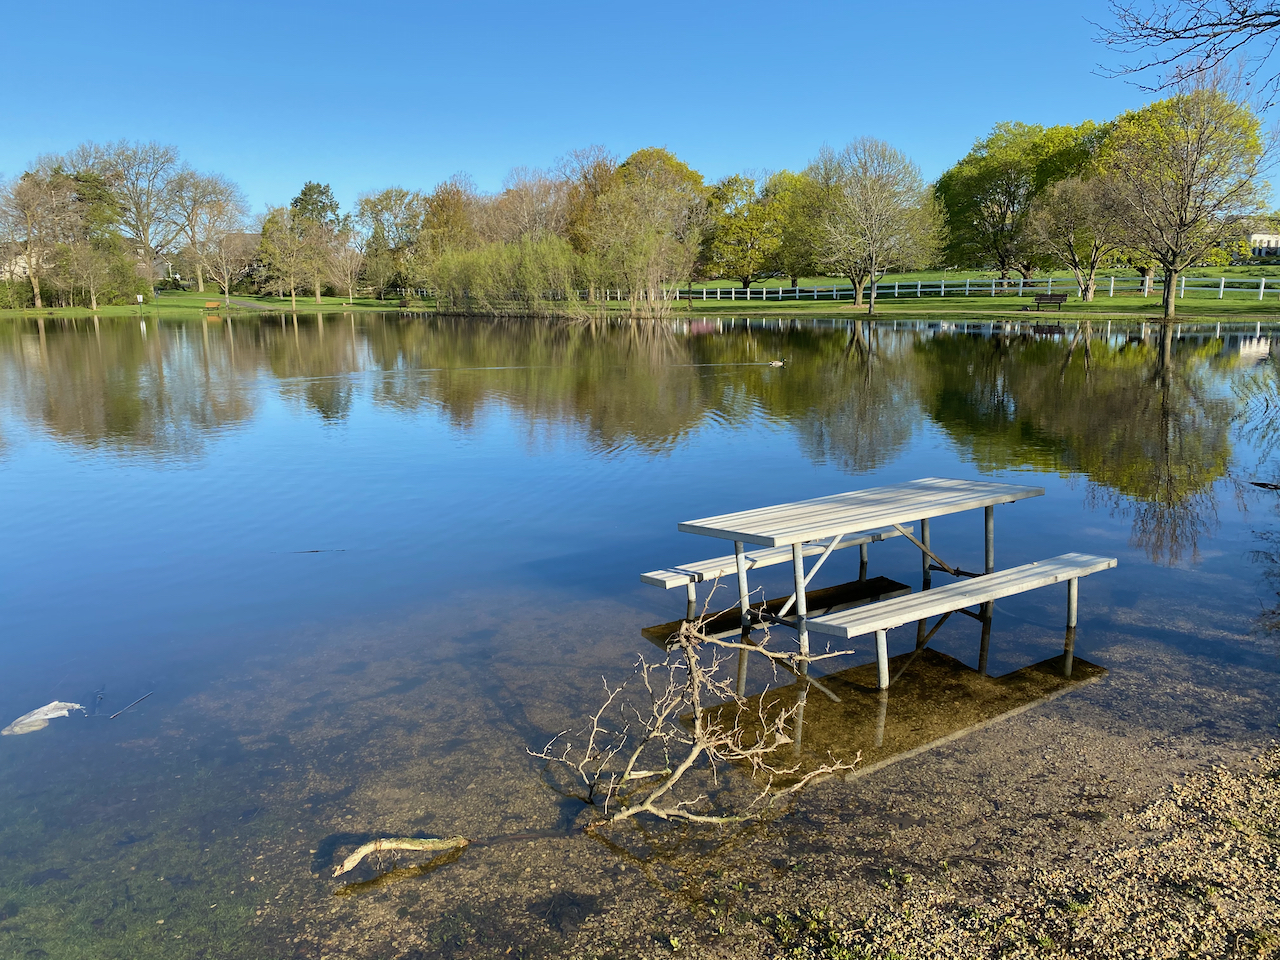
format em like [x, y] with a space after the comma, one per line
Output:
[175, 509]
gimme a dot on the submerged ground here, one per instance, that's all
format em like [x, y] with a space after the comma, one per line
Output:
[367, 563]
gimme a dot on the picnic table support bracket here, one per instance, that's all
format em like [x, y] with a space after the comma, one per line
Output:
[798, 557]
[744, 604]
[954, 571]
[925, 553]
[882, 659]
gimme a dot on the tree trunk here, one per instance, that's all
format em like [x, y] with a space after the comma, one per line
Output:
[199, 278]
[93, 298]
[1090, 286]
[317, 291]
[858, 282]
[35, 287]
[293, 296]
[1146, 273]
[746, 283]
[1170, 294]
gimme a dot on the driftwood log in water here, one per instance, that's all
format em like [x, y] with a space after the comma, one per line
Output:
[399, 843]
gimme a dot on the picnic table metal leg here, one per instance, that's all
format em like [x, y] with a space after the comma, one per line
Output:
[882, 659]
[1069, 652]
[924, 557]
[802, 606]
[991, 539]
[881, 716]
[744, 604]
[984, 647]
[1073, 594]
[862, 561]
[691, 610]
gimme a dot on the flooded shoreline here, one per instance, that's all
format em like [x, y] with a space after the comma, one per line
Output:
[367, 570]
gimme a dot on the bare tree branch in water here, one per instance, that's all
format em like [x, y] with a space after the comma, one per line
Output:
[676, 720]
[1179, 39]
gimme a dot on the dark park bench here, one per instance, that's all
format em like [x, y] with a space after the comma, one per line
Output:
[1043, 298]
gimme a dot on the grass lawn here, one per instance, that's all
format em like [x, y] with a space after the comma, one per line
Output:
[1129, 305]
[188, 305]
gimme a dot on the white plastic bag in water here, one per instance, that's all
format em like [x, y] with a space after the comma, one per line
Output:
[39, 719]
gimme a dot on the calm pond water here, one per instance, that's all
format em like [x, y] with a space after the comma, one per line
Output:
[362, 564]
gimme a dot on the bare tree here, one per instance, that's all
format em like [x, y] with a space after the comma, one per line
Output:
[141, 177]
[88, 266]
[346, 262]
[200, 202]
[1180, 39]
[533, 203]
[228, 251]
[646, 745]
[881, 215]
[40, 213]
[1077, 221]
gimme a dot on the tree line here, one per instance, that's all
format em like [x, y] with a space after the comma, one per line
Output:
[1173, 184]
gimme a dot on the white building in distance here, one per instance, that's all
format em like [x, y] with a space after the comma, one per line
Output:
[1264, 244]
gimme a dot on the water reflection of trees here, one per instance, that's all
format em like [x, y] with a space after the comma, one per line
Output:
[849, 396]
[1146, 426]
[648, 385]
[101, 384]
[1139, 421]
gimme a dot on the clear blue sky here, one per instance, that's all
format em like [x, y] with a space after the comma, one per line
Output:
[369, 94]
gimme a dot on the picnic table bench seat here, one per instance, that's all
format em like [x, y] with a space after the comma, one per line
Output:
[878, 618]
[702, 570]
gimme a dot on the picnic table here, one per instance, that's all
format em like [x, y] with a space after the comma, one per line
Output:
[833, 517]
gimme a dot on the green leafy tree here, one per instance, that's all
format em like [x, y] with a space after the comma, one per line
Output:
[285, 251]
[797, 202]
[989, 195]
[745, 232]
[1076, 223]
[1187, 172]
[315, 216]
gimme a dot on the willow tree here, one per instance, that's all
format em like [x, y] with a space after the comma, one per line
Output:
[648, 226]
[1187, 173]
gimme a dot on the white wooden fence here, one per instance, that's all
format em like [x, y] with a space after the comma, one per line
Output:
[1212, 287]
[1215, 287]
